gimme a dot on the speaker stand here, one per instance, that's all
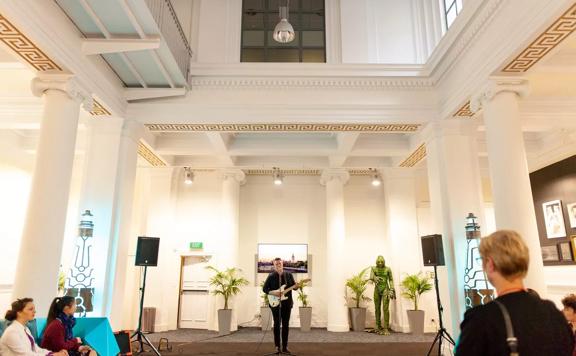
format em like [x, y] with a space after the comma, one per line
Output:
[442, 332]
[138, 335]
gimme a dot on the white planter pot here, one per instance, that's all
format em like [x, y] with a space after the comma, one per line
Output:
[358, 318]
[224, 321]
[305, 318]
[416, 321]
[266, 318]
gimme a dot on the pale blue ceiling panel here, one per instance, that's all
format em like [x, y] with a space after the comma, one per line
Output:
[122, 70]
[81, 19]
[171, 65]
[113, 16]
[148, 69]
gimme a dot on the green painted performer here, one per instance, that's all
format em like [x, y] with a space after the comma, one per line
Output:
[381, 276]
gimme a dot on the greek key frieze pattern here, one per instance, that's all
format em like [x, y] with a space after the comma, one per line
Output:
[547, 41]
[285, 127]
[464, 111]
[25, 48]
[150, 156]
[415, 157]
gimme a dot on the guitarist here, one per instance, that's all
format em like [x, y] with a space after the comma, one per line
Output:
[282, 312]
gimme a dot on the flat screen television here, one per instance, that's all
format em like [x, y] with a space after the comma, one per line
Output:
[295, 257]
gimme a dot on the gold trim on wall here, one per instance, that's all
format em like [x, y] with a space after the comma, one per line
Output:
[150, 156]
[25, 48]
[547, 41]
[267, 127]
[415, 157]
[303, 172]
[98, 109]
[464, 111]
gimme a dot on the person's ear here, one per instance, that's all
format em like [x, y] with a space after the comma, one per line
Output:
[489, 265]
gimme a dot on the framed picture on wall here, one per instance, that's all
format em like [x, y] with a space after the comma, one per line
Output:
[566, 251]
[572, 214]
[573, 241]
[550, 253]
[554, 219]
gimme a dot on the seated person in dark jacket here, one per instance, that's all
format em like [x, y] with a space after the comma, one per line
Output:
[58, 334]
[538, 325]
[569, 303]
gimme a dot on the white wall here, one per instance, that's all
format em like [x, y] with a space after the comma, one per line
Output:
[291, 213]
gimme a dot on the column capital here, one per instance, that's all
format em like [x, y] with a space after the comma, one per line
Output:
[496, 85]
[64, 82]
[237, 175]
[334, 174]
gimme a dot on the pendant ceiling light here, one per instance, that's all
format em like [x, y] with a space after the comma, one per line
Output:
[284, 32]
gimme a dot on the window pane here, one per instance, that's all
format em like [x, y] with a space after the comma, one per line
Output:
[313, 5]
[283, 55]
[273, 20]
[253, 38]
[252, 55]
[313, 38]
[451, 16]
[253, 4]
[312, 22]
[313, 55]
[273, 43]
[252, 21]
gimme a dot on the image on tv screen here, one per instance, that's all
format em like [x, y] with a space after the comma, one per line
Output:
[295, 257]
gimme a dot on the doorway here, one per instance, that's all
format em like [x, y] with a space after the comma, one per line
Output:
[194, 293]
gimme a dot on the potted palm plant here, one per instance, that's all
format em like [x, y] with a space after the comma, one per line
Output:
[305, 310]
[265, 312]
[227, 284]
[358, 284]
[413, 286]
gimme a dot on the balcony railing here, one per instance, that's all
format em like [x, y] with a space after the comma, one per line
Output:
[165, 16]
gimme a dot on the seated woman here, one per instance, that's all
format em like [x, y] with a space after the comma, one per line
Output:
[58, 334]
[569, 303]
[17, 339]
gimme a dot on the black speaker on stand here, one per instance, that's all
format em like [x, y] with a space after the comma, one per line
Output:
[433, 255]
[146, 255]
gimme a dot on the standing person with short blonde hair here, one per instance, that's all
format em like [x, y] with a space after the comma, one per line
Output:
[538, 326]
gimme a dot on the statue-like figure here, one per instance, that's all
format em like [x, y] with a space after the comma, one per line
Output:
[381, 276]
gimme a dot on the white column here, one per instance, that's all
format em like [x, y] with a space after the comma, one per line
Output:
[403, 255]
[41, 246]
[455, 188]
[231, 181]
[118, 255]
[334, 180]
[98, 188]
[512, 194]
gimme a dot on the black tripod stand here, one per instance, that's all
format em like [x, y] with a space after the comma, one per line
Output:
[138, 334]
[442, 333]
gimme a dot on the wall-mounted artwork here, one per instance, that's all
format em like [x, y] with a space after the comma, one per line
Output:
[566, 251]
[295, 257]
[573, 241]
[550, 253]
[572, 214]
[554, 219]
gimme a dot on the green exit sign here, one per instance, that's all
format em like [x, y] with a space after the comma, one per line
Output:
[196, 245]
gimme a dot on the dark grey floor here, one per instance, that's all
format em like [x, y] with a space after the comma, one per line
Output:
[253, 341]
[296, 336]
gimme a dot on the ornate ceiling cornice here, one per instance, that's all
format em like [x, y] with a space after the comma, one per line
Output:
[415, 157]
[547, 41]
[318, 83]
[98, 109]
[28, 51]
[464, 111]
[23, 47]
[148, 155]
[269, 127]
[303, 172]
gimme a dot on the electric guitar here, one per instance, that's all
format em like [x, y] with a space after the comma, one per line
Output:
[274, 301]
